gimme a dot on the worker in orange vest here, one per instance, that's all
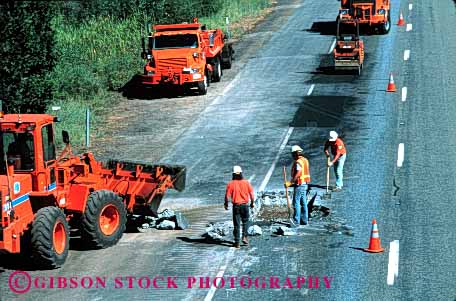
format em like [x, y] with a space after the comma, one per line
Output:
[339, 155]
[300, 178]
[240, 192]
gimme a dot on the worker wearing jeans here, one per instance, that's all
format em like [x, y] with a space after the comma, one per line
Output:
[240, 192]
[300, 179]
[339, 155]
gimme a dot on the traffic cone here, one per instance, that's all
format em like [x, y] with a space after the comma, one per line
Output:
[374, 243]
[401, 21]
[391, 85]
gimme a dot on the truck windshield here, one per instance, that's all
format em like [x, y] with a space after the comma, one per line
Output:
[176, 41]
[19, 148]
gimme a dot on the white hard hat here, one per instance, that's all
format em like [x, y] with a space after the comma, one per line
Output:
[333, 136]
[296, 148]
[237, 169]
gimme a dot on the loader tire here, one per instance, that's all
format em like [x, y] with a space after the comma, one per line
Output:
[217, 76]
[104, 220]
[50, 238]
[202, 85]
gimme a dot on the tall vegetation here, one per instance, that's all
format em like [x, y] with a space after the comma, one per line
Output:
[27, 55]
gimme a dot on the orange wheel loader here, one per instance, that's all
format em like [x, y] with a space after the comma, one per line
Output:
[348, 51]
[42, 194]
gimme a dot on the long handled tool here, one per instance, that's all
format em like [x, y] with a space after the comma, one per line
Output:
[327, 195]
[286, 191]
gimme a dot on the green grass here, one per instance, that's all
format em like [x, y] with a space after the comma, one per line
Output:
[236, 11]
[99, 56]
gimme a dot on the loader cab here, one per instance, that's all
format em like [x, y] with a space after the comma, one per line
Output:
[27, 142]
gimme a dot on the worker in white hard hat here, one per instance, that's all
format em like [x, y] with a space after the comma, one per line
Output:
[339, 155]
[240, 192]
[300, 178]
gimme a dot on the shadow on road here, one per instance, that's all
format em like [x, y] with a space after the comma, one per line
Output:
[20, 262]
[133, 89]
[327, 28]
[205, 241]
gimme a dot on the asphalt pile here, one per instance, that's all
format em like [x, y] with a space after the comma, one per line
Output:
[166, 220]
[270, 217]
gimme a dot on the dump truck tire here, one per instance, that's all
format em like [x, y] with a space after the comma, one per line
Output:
[229, 61]
[385, 27]
[50, 238]
[217, 76]
[202, 85]
[104, 219]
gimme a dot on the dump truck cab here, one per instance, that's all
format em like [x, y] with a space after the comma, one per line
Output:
[185, 55]
[373, 13]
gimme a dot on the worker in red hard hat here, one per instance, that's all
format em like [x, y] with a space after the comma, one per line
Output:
[339, 155]
[300, 178]
[240, 192]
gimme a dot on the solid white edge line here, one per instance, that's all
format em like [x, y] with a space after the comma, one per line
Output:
[212, 290]
[271, 169]
[311, 89]
[332, 47]
[409, 27]
[404, 93]
[410, 6]
[393, 262]
[400, 155]
[406, 55]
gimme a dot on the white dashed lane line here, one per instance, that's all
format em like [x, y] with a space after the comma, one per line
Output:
[332, 47]
[400, 155]
[311, 89]
[406, 55]
[409, 27]
[404, 93]
[410, 6]
[393, 262]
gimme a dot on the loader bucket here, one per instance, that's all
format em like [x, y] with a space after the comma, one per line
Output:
[177, 172]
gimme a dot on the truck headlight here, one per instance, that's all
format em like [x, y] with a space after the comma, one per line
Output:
[190, 70]
[149, 56]
[343, 12]
[195, 54]
[381, 11]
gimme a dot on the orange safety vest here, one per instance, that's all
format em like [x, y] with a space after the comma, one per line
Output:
[305, 174]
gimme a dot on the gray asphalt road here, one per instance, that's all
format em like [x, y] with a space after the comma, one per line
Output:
[281, 97]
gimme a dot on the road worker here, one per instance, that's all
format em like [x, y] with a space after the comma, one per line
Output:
[339, 154]
[300, 178]
[240, 192]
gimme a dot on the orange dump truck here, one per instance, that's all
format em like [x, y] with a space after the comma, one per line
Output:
[373, 13]
[186, 55]
[42, 195]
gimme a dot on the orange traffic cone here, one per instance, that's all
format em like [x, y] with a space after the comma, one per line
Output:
[401, 21]
[391, 85]
[374, 243]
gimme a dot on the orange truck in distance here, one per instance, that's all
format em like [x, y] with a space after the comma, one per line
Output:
[373, 13]
[186, 55]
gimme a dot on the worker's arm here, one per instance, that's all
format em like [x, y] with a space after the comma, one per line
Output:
[252, 197]
[296, 177]
[327, 148]
[227, 197]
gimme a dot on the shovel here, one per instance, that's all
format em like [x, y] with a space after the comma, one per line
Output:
[286, 192]
[327, 194]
